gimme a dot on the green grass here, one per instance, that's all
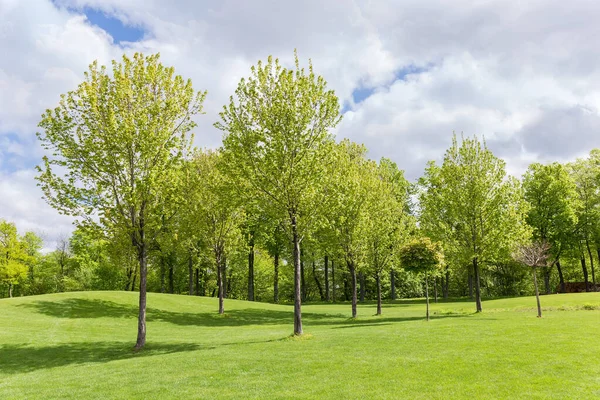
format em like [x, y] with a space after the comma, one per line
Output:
[79, 345]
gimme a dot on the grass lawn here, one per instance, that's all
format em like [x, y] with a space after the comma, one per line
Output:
[79, 345]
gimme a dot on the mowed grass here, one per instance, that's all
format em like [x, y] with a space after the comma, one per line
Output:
[79, 345]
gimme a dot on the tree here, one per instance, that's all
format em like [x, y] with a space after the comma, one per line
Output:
[534, 255]
[474, 205]
[552, 197]
[388, 223]
[422, 256]
[12, 256]
[33, 244]
[217, 212]
[276, 130]
[116, 143]
[349, 183]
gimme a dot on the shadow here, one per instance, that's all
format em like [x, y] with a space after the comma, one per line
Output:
[359, 325]
[84, 308]
[23, 358]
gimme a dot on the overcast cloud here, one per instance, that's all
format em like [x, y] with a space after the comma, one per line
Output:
[409, 73]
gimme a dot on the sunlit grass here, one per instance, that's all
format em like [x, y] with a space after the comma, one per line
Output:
[80, 345]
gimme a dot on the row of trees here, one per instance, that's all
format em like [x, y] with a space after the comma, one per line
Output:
[279, 192]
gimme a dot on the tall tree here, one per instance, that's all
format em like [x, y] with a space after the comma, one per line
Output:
[348, 185]
[553, 201]
[276, 133]
[116, 144]
[480, 209]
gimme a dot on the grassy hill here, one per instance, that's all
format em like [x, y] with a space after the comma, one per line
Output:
[79, 345]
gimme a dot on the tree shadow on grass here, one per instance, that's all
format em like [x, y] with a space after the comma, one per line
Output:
[85, 308]
[26, 358]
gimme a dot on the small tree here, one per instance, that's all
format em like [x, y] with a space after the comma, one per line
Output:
[422, 256]
[534, 255]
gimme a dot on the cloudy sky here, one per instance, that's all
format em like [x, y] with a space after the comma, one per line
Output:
[408, 73]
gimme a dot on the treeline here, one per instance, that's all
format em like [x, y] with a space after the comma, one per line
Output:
[282, 211]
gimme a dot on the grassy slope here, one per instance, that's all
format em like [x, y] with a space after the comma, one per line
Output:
[78, 345]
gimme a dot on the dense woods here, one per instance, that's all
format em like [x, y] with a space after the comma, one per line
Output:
[283, 211]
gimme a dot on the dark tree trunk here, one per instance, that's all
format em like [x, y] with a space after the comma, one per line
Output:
[352, 270]
[134, 278]
[314, 271]
[471, 283]
[251, 270]
[143, 260]
[197, 281]
[171, 273]
[435, 289]
[547, 272]
[585, 274]
[220, 287]
[276, 278]
[560, 277]
[191, 273]
[362, 287]
[332, 281]
[302, 281]
[393, 284]
[447, 284]
[477, 285]
[297, 278]
[128, 282]
[537, 294]
[378, 279]
[326, 268]
[162, 275]
[587, 243]
[427, 297]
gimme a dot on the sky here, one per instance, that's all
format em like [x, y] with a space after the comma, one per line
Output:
[523, 75]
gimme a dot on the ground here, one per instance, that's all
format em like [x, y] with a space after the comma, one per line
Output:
[79, 345]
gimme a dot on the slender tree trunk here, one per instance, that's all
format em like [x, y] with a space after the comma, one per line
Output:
[447, 284]
[560, 277]
[128, 282]
[297, 278]
[352, 270]
[393, 284]
[143, 260]
[378, 279]
[362, 287]
[427, 297]
[314, 271]
[585, 274]
[333, 281]
[134, 278]
[537, 294]
[197, 282]
[251, 271]
[346, 288]
[10, 289]
[587, 243]
[226, 282]
[276, 278]
[477, 284]
[162, 275]
[326, 268]
[219, 262]
[547, 272]
[191, 272]
[435, 289]
[171, 273]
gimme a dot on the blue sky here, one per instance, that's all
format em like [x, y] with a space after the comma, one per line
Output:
[113, 26]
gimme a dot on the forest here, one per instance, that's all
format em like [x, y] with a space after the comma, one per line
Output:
[284, 211]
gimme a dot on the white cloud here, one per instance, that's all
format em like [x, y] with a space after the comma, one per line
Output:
[523, 74]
